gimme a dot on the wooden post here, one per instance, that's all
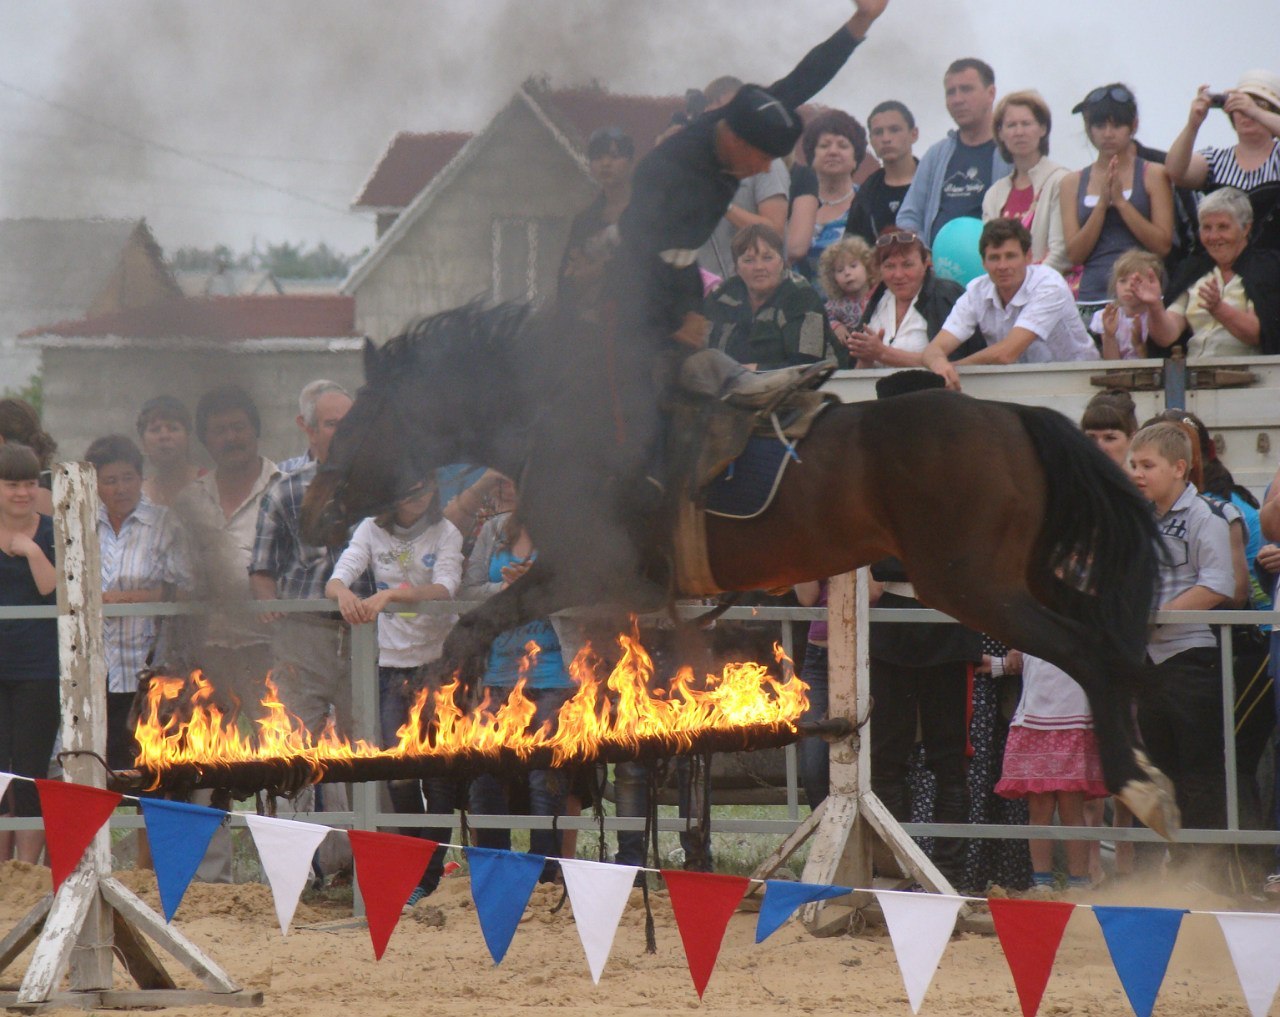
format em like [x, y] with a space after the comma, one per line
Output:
[77, 927]
[852, 822]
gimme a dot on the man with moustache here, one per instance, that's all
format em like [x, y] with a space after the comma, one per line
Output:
[955, 173]
[220, 512]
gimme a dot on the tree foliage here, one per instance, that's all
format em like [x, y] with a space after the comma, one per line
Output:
[284, 260]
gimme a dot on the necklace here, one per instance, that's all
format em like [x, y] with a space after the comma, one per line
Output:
[824, 203]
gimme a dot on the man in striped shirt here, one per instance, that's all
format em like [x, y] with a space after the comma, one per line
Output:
[309, 650]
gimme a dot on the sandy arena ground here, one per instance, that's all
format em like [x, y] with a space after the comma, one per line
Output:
[436, 962]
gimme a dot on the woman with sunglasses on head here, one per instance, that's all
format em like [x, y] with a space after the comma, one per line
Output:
[907, 308]
[1119, 202]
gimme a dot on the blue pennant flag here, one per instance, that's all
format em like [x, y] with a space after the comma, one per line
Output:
[782, 897]
[1140, 941]
[179, 834]
[501, 883]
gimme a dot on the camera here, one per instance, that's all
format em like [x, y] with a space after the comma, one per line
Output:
[1217, 100]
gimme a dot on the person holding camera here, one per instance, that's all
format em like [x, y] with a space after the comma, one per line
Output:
[1254, 108]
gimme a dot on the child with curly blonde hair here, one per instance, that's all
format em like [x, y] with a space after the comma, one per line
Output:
[846, 271]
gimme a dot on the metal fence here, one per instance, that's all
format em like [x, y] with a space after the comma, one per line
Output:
[367, 814]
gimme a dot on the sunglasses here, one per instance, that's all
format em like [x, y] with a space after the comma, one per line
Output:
[905, 237]
[1117, 93]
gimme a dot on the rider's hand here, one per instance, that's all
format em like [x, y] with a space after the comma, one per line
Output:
[693, 331]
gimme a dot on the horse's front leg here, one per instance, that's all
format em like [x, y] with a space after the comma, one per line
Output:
[466, 649]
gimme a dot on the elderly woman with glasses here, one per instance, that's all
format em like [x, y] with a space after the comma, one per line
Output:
[907, 308]
[1119, 202]
[1227, 299]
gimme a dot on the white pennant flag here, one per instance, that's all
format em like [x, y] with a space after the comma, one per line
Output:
[1254, 942]
[919, 926]
[599, 894]
[5, 779]
[286, 849]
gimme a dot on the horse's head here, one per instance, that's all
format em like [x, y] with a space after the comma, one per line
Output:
[430, 399]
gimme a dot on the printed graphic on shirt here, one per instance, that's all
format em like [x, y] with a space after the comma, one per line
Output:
[964, 185]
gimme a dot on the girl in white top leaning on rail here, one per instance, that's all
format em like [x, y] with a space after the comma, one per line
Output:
[415, 554]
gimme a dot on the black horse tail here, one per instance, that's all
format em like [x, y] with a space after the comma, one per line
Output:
[1097, 549]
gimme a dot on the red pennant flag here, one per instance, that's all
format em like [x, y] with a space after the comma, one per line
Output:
[388, 867]
[703, 903]
[73, 813]
[1030, 931]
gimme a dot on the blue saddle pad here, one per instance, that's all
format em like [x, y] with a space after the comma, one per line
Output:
[747, 485]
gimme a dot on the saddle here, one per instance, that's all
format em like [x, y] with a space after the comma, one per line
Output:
[717, 408]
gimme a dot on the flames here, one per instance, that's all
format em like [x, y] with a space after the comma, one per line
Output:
[182, 722]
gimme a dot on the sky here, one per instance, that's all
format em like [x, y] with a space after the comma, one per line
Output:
[248, 123]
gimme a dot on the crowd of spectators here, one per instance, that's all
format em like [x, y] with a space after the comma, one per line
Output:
[823, 255]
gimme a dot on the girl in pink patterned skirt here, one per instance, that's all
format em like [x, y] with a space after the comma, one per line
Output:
[1051, 759]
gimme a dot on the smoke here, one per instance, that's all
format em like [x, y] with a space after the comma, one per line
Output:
[305, 95]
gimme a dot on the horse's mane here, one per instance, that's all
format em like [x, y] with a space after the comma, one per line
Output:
[472, 332]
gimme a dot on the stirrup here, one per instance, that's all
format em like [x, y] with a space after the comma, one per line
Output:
[762, 391]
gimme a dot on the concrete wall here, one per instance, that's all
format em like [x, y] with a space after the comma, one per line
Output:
[445, 258]
[91, 392]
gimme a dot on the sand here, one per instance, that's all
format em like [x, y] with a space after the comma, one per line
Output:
[436, 962]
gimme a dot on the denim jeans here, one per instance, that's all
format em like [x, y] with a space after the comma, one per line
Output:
[631, 794]
[547, 788]
[814, 753]
[407, 796]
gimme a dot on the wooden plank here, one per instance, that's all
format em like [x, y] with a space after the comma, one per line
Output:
[53, 949]
[109, 999]
[134, 911]
[788, 847]
[83, 664]
[21, 935]
[132, 1000]
[139, 959]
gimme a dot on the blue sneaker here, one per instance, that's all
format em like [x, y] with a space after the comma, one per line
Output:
[418, 894]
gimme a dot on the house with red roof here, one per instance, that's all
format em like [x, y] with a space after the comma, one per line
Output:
[98, 370]
[486, 215]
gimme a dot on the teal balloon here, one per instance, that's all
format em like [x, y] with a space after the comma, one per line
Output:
[955, 251]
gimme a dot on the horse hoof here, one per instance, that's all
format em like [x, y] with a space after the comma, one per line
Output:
[1152, 800]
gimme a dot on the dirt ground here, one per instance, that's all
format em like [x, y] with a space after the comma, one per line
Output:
[437, 962]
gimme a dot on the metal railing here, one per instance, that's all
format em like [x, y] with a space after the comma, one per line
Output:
[366, 813]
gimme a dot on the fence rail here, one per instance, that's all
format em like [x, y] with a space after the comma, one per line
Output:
[367, 815]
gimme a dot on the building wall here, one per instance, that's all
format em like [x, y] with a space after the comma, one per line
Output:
[92, 392]
[446, 257]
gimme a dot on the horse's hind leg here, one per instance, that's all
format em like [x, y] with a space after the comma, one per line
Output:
[1017, 618]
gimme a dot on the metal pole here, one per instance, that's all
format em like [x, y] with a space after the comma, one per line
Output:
[792, 757]
[1175, 381]
[364, 708]
[1229, 729]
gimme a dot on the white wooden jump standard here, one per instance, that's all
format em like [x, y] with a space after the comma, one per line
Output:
[852, 827]
[93, 915]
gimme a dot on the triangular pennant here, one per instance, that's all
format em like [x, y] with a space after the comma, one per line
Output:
[1254, 942]
[920, 924]
[501, 884]
[1030, 931]
[286, 849]
[703, 902]
[179, 834]
[1140, 941]
[599, 894]
[388, 867]
[5, 779]
[782, 897]
[73, 814]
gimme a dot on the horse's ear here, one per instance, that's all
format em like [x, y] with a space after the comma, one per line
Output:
[370, 355]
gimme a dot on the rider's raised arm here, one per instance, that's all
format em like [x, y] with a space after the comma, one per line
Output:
[822, 63]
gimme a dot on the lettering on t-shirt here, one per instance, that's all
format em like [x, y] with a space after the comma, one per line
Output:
[964, 186]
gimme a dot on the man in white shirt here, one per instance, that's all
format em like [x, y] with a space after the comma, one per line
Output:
[1025, 312]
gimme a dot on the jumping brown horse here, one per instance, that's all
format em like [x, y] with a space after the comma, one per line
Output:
[1005, 517]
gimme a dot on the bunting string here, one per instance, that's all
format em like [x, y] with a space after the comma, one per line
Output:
[1140, 940]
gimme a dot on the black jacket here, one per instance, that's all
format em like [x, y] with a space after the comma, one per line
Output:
[937, 297]
[1259, 270]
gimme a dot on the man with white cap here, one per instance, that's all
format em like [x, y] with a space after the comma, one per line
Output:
[1254, 108]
